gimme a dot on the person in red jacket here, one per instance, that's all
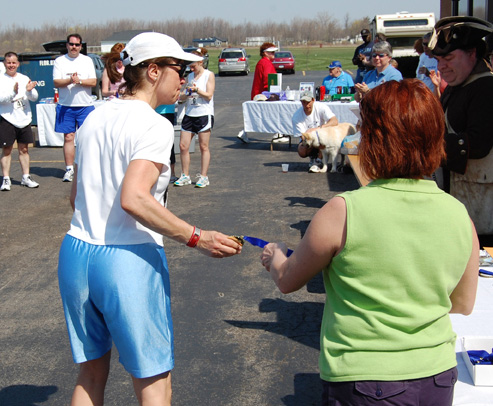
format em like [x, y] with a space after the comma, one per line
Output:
[263, 68]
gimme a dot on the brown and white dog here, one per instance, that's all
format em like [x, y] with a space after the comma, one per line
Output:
[328, 140]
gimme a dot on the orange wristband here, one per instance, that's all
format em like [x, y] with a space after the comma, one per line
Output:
[194, 239]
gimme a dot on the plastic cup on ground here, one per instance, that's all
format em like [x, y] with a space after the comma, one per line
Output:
[285, 167]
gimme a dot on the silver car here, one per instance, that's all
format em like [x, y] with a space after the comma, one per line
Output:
[233, 60]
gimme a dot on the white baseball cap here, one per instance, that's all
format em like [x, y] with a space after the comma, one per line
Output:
[271, 49]
[150, 45]
[307, 95]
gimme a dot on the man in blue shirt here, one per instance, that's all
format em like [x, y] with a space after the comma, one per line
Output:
[336, 78]
[362, 56]
[427, 63]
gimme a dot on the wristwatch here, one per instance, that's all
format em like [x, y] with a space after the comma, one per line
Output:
[80, 82]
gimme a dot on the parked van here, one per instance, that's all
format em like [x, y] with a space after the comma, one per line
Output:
[233, 60]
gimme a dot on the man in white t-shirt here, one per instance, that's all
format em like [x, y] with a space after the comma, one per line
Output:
[16, 91]
[74, 75]
[311, 116]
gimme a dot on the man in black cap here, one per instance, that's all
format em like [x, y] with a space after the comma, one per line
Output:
[457, 43]
[362, 56]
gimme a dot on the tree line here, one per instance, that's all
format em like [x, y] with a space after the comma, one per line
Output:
[323, 28]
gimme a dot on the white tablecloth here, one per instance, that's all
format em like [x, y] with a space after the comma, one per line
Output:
[478, 323]
[276, 116]
[46, 114]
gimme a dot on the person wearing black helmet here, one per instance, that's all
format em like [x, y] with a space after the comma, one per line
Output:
[457, 43]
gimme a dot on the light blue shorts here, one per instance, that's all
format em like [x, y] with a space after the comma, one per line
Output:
[120, 294]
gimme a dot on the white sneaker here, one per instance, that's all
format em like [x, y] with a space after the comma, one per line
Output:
[280, 138]
[242, 135]
[27, 181]
[68, 176]
[5, 184]
[314, 169]
[183, 181]
[202, 182]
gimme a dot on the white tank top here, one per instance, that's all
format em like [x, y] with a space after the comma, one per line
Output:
[198, 106]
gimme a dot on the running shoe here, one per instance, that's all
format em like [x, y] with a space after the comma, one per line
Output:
[68, 176]
[280, 138]
[242, 135]
[183, 181]
[202, 182]
[5, 184]
[28, 182]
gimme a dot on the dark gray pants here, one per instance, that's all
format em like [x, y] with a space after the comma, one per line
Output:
[435, 390]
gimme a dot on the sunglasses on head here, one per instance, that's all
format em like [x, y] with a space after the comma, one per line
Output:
[379, 55]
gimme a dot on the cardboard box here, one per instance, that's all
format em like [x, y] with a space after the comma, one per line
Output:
[481, 374]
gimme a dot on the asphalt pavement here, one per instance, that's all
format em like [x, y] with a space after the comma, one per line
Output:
[238, 340]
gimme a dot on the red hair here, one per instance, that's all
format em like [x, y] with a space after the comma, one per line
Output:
[201, 51]
[402, 131]
[264, 46]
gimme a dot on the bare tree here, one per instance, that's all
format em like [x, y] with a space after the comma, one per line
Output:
[323, 28]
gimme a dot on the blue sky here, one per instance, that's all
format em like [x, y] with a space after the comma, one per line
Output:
[33, 13]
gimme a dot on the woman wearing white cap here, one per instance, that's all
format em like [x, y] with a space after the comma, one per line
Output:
[263, 68]
[113, 274]
[199, 119]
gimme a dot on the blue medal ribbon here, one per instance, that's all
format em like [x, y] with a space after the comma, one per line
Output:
[261, 243]
[484, 272]
[480, 357]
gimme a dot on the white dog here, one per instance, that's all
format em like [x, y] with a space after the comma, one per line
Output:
[328, 140]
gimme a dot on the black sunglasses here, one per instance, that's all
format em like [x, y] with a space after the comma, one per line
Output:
[74, 45]
[183, 68]
[380, 55]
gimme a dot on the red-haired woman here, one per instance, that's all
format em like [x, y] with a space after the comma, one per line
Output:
[263, 68]
[397, 256]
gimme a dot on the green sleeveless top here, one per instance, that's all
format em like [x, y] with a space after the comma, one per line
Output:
[386, 314]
